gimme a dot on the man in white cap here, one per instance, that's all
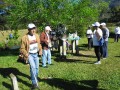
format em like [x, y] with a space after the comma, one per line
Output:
[46, 45]
[117, 33]
[30, 48]
[105, 31]
[97, 37]
[89, 35]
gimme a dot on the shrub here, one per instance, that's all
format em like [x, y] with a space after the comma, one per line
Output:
[13, 42]
[2, 45]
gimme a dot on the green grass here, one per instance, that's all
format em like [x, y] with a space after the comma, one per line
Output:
[76, 73]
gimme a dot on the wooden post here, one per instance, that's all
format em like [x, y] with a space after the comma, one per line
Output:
[77, 42]
[61, 50]
[64, 47]
[14, 82]
[77, 48]
[73, 46]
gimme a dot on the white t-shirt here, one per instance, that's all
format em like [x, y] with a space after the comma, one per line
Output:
[89, 33]
[95, 38]
[49, 44]
[33, 48]
[117, 30]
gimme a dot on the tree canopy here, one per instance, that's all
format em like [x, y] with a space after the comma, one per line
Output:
[76, 15]
[115, 10]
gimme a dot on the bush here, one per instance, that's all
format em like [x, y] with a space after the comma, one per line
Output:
[13, 42]
[2, 45]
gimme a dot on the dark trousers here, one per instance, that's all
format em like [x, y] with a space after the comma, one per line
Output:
[97, 50]
[105, 49]
[101, 51]
[89, 43]
[117, 37]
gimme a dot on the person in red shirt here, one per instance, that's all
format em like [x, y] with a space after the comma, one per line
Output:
[46, 45]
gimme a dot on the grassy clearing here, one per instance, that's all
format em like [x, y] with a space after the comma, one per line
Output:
[75, 73]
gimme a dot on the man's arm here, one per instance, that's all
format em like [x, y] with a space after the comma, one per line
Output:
[106, 33]
[42, 38]
[22, 48]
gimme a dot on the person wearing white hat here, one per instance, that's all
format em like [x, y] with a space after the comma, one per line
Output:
[89, 35]
[117, 34]
[97, 37]
[46, 45]
[105, 31]
[30, 49]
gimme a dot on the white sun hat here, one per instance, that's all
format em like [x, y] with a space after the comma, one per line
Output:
[103, 24]
[48, 28]
[96, 24]
[31, 25]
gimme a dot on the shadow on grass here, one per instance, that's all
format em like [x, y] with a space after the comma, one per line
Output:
[8, 52]
[117, 56]
[55, 53]
[58, 59]
[83, 47]
[5, 72]
[112, 35]
[7, 85]
[72, 85]
[82, 55]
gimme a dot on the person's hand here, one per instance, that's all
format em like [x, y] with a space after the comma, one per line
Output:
[26, 55]
[40, 52]
[48, 41]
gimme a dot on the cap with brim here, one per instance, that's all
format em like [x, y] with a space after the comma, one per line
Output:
[97, 24]
[48, 28]
[103, 24]
[31, 25]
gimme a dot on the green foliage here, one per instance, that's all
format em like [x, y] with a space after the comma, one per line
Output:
[76, 15]
[12, 43]
[2, 45]
[83, 15]
[115, 10]
[15, 35]
[115, 5]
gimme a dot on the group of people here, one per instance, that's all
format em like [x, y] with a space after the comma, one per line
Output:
[99, 40]
[33, 46]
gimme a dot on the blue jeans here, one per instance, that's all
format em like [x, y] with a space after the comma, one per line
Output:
[105, 49]
[34, 67]
[46, 56]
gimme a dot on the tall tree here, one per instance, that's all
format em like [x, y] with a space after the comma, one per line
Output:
[75, 14]
[115, 10]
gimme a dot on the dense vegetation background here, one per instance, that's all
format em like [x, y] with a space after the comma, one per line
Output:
[74, 14]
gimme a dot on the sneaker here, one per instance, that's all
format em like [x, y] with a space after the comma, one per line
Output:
[104, 58]
[50, 64]
[98, 62]
[34, 86]
[45, 66]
